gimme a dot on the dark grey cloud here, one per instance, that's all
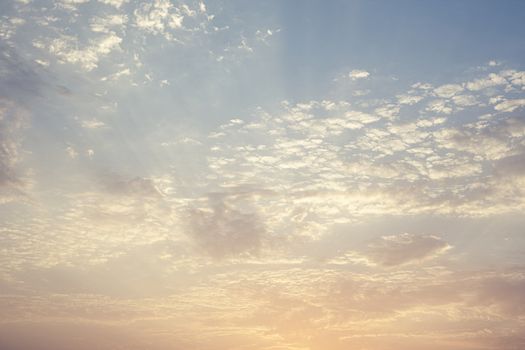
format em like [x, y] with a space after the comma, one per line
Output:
[18, 78]
[510, 166]
[136, 186]
[222, 230]
[505, 292]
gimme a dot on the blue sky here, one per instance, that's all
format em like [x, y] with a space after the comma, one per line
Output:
[295, 175]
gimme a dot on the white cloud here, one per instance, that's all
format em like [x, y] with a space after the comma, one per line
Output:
[116, 3]
[66, 49]
[159, 16]
[359, 93]
[439, 106]
[75, 2]
[126, 72]
[409, 99]
[490, 81]
[265, 35]
[465, 100]
[42, 62]
[448, 90]
[487, 140]
[71, 152]
[515, 77]
[92, 124]
[389, 111]
[108, 23]
[358, 74]
[509, 105]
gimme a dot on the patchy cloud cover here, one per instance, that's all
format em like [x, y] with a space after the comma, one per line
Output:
[279, 175]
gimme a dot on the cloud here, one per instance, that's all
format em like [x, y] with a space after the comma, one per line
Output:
[62, 335]
[158, 17]
[143, 270]
[513, 165]
[491, 80]
[20, 85]
[71, 152]
[509, 105]
[93, 124]
[409, 99]
[115, 3]
[465, 100]
[134, 187]
[18, 76]
[405, 248]
[440, 107]
[517, 78]
[448, 90]
[12, 120]
[190, 245]
[66, 48]
[288, 303]
[358, 74]
[108, 23]
[73, 1]
[493, 140]
[223, 230]
[506, 293]
[445, 161]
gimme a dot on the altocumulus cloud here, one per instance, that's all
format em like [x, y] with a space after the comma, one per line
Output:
[171, 179]
[405, 248]
[222, 230]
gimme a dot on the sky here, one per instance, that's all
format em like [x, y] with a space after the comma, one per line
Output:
[262, 175]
